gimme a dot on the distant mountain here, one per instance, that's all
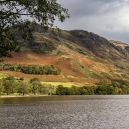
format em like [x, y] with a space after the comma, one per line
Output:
[82, 56]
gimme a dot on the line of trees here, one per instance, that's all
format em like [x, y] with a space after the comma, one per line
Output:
[10, 85]
[102, 88]
[31, 69]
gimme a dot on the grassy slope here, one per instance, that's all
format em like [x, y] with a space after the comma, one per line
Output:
[78, 65]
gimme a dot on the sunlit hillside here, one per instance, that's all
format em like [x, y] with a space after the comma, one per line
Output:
[84, 58]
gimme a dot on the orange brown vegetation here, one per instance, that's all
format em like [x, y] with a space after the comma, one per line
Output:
[65, 62]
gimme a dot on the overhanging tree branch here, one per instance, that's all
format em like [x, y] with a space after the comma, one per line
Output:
[43, 11]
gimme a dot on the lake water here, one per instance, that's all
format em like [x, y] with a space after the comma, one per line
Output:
[65, 112]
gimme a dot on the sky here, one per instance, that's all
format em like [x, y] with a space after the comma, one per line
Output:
[107, 18]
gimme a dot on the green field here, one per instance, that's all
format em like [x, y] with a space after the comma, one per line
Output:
[67, 84]
[2, 75]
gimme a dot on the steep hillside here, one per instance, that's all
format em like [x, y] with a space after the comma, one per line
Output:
[83, 57]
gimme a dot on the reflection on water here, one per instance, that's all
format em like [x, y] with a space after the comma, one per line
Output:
[65, 112]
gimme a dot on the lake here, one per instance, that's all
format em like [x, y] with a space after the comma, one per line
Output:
[65, 112]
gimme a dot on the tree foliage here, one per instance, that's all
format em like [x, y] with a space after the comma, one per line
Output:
[23, 87]
[11, 85]
[18, 14]
[31, 69]
[102, 89]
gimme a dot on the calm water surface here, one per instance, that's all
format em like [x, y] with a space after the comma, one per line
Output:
[65, 112]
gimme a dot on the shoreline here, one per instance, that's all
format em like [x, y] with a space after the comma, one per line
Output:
[15, 96]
